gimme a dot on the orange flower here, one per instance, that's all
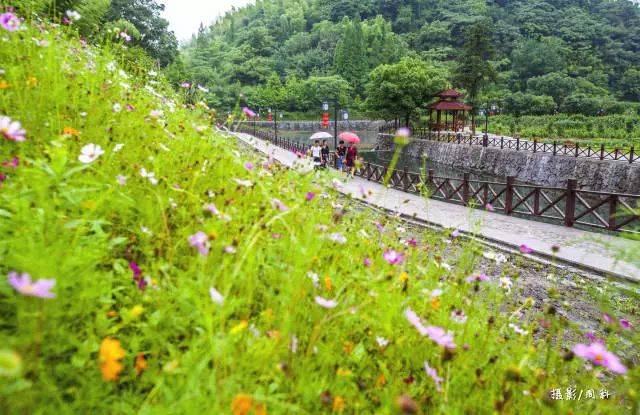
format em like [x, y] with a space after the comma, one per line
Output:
[110, 355]
[260, 409]
[70, 131]
[435, 303]
[241, 404]
[4, 85]
[338, 404]
[381, 381]
[141, 363]
[347, 347]
[327, 283]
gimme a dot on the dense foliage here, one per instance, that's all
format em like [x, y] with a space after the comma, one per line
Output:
[135, 22]
[552, 55]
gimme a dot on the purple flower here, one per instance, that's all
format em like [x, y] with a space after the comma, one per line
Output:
[455, 233]
[11, 130]
[625, 324]
[592, 337]
[22, 283]
[323, 302]
[338, 238]
[598, 354]
[9, 21]
[367, 262]
[379, 227]
[393, 257]
[403, 132]
[310, 196]
[137, 276]
[211, 208]
[477, 278]
[431, 372]
[200, 240]
[607, 318]
[489, 207]
[525, 249]
[413, 242]
[13, 163]
[248, 165]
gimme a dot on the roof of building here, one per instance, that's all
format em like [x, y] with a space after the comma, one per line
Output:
[450, 93]
[450, 106]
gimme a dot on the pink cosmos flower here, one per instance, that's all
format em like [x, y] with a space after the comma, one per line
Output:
[393, 257]
[277, 204]
[455, 233]
[185, 85]
[310, 196]
[458, 316]
[216, 297]
[413, 242]
[477, 278]
[9, 22]
[338, 238]
[12, 164]
[403, 132]
[431, 372]
[22, 283]
[367, 262]
[230, 249]
[489, 207]
[248, 112]
[598, 354]
[525, 249]
[12, 130]
[625, 324]
[607, 318]
[3, 177]
[200, 240]
[436, 334]
[211, 208]
[248, 165]
[593, 338]
[323, 302]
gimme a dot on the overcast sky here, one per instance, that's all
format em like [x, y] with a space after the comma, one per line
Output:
[185, 16]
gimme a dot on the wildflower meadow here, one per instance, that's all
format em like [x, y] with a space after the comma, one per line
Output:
[150, 264]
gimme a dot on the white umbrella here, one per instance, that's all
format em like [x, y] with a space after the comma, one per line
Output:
[320, 136]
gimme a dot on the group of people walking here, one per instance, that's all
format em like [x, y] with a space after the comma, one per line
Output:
[346, 157]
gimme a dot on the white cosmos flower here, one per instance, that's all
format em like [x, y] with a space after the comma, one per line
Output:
[323, 302]
[244, 183]
[118, 147]
[90, 153]
[149, 175]
[216, 297]
[73, 15]
[382, 342]
[117, 107]
[506, 283]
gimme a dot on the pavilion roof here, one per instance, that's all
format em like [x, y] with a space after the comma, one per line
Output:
[450, 93]
[450, 106]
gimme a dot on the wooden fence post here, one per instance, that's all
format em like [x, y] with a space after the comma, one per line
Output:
[631, 155]
[465, 189]
[601, 151]
[613, 207]
[570, 202]
[508, 195]
[535, 145]
[518, 144]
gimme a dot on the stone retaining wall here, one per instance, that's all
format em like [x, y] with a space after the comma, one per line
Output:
[317, 125]
[540, 168]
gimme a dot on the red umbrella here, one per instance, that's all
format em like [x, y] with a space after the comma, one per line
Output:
[349, 137]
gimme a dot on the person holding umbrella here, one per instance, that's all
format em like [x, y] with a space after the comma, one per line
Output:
[352, 152]
[341, 153]
[325, 154]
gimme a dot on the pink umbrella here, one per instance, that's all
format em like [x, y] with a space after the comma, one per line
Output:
[248, 112]
[349, 137]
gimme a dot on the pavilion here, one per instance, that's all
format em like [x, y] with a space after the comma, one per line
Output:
[455, 112]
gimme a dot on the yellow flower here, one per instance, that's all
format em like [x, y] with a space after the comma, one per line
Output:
[404, 277]
[110, 349]
[338, 404]
[141, 363]
[32, 81]
[4, 85]
[327, 283]
[10, 364]
[137, 311]
[241, 404]
[347, 347]
[381, 381]
[343, 372]
[240, 327]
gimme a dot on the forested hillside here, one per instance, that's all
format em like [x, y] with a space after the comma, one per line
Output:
[535, 57]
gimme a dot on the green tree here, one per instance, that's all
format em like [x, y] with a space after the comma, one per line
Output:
[630, 84]
[351, 54]
[474, 70]
[538, 57]
[156, 39]
[399, 90]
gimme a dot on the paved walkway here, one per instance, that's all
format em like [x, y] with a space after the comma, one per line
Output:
[592, 251]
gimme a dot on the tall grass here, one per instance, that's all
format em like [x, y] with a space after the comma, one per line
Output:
[269, 345]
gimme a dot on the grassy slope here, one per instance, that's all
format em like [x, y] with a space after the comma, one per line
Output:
[73, 222]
